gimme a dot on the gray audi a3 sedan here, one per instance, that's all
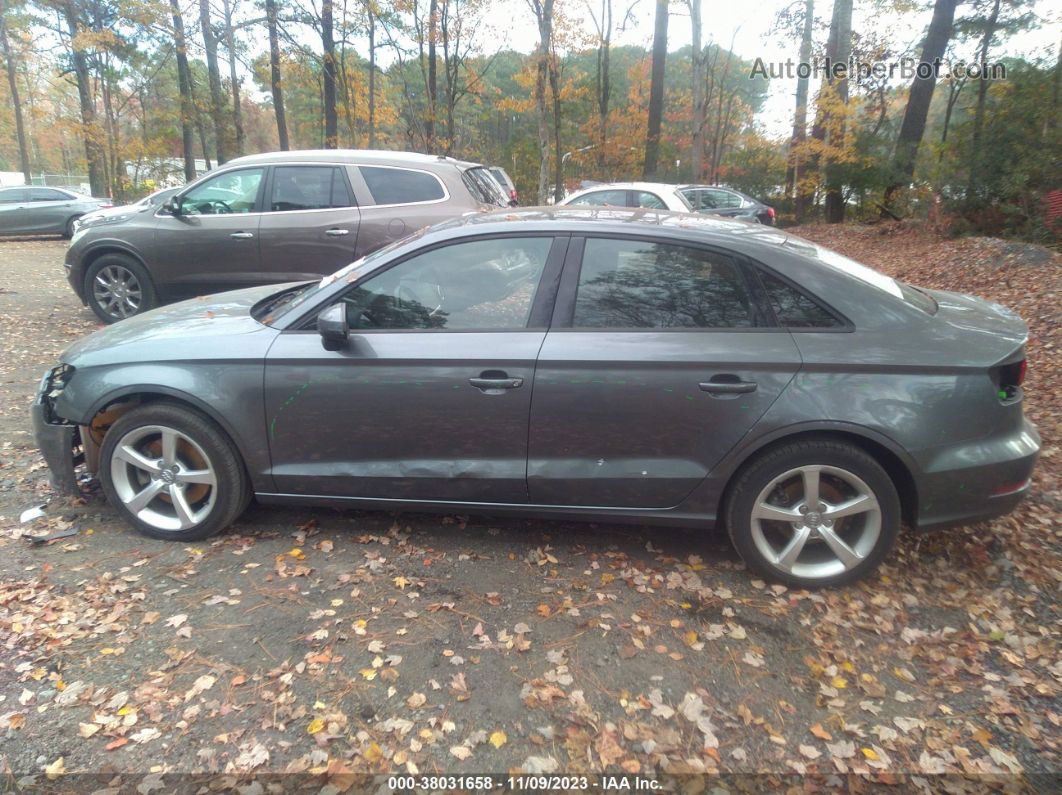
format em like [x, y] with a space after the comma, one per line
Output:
[606, 364]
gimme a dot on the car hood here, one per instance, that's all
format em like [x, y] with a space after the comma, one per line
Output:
[202, 328]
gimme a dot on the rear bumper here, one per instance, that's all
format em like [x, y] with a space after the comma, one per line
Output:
[977, 480]
[57, 441]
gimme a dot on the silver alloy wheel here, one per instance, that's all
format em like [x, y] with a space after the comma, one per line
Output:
[809, 536]
[163, 477]
[117, 291]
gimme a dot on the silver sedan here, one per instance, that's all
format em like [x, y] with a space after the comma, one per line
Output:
[44, 211]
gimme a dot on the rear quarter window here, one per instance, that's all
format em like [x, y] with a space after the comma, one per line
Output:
[401, 186]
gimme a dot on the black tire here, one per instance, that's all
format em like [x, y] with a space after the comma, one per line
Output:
[232, 487]
[838, 456]
[119, 264]
[68, 230]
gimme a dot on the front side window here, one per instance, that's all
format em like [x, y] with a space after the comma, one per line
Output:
[231, 192]
[401, 186]
[642, 285]
[602, 198]
[307, 188]
[480, 284]
[792, 308]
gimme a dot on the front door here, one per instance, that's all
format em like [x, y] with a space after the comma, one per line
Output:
[430, 398]
[310, 224]
[654, 368]
[212, 245]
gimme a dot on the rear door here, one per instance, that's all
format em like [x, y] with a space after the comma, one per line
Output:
[656, 364]
[309, 225]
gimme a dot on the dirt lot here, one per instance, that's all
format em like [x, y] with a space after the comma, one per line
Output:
[340, 643]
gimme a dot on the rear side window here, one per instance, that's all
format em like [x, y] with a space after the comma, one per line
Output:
[643, 285]
[48, 195]
[307, 188]
[13, 195]
[401, 186]
[794, 309]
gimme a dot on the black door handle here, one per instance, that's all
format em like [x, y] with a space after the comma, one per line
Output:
[727, 387]
[496, 383]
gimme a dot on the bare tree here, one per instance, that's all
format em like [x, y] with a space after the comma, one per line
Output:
[275, 84]
[230, 47]
[656, 92]
[697, 80]
[800, 114]
[94, 155]
[328, 74]
[217, 103]
[184, 86]
[841, 36]
[543, 11]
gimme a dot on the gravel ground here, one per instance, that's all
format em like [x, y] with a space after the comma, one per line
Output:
[340, 643]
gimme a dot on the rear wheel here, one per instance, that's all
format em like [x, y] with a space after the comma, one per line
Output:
[117, 287]
[172, 473]
[814, 513]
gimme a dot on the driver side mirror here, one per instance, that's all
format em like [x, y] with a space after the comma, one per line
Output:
[332, 326]
[172, 206]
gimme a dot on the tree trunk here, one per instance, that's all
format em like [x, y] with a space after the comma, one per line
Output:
[331, 121]
[237, 111]
[184, 86]
[217, 112]
[274, 74]
[543, 10]
[558, 157]
[697, 79]
[12, 82]
[89, 128]
[604, 82]
[433, 74]
[982, 95]
[200, 128]
[842, 52]
[914, 116]
[800, 114]
[656, 93]
[372, 77]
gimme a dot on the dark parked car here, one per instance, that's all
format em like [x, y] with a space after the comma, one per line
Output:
[44, 211]
[268, 218]
[507, 184]
[684, 371]
[727, 202]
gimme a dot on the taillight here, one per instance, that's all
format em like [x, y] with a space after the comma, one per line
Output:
[770, 213]
[1023, 367]
[1010, 378]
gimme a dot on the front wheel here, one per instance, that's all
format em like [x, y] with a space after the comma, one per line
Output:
[813, 514]
[117, 287]
[172, 473]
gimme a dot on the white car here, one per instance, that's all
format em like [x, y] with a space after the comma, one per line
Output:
[654, 195]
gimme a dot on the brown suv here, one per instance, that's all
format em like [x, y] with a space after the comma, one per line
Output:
[278, 217]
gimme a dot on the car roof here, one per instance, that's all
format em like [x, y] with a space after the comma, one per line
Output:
[627, 220]
[372, 157]
[649, 186]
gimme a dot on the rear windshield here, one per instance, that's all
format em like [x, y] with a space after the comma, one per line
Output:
[905, 292]
[483, 187]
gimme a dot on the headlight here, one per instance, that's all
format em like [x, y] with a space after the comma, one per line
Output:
[55, 381]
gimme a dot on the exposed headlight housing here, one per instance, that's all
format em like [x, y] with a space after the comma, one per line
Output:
[55, 381]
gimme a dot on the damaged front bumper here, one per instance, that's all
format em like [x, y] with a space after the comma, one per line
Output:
[58, 440]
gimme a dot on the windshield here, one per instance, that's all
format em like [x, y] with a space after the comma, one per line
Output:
[285, 301]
